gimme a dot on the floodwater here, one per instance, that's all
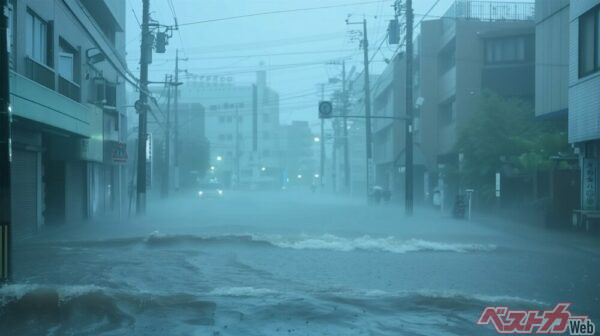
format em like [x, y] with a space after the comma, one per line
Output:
[291, 263]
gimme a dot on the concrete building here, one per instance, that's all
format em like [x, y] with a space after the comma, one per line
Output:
[475, 46]
[67, 95]
[389, 92]
[584, 95]
[297, 155]
[356, 137]
[552, 58]
[241, 125]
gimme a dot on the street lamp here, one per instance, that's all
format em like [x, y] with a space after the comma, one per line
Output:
[263, 168]
[317, 139]
[299, 176]
[219, 158]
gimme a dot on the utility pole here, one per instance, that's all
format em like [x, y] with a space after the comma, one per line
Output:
[176, 121]
[367, 107]
[335, 126]
[345, 130]
[167, 160]
[409, 111]
[5, 152]
[322, 142]
[142, 109]
[368, 142]
[237, 146]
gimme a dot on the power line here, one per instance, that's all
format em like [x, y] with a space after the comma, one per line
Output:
[259, 55]
[282, 11]
[172, 7]
[427, 13]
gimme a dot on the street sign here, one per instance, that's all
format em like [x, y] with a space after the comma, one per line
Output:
[589, 183]
[325, 110]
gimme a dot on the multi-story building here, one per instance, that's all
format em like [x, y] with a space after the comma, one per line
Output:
[242, 125]
[297, 155]
[552, 103]
[552, 58]
[389, 92]
[584, 94]
[475, 46]
[67, 95]
[357, 138]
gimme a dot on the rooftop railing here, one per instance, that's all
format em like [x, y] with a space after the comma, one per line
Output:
[491, 11]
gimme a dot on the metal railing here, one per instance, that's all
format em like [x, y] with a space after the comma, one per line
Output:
[491, 11]
[69, 89]
[39, 73]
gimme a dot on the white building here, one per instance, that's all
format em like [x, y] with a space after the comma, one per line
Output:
[241, 125]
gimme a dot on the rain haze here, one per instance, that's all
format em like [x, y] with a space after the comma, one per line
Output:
[334, 167]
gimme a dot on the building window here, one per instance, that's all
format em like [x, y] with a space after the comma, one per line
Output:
[10, 30]
[447, 57]
[505, 50]
[37, 38]
[589, 42]
[68, 62]
[447, 112]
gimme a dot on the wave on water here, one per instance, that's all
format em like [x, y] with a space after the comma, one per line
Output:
[90, 310]
[242, 292]
[388, 244]
[427, 299]
[328, 242]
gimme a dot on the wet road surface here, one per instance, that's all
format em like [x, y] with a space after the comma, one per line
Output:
[290, 264]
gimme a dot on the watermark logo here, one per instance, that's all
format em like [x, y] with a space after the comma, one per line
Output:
[556, 321]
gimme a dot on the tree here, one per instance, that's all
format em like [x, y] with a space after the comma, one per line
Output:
[503, 135]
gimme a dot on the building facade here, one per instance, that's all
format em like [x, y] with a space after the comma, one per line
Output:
[584, 95]
[242, 128]
[473, 48]
[297, 156]
[67, 97]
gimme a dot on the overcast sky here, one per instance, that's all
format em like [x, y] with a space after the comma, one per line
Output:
[295, 47]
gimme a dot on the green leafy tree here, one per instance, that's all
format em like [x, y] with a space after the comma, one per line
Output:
[503, 134]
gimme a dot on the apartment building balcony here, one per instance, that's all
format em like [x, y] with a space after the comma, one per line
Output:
[69, 89]
[39, 73]
[36, 100]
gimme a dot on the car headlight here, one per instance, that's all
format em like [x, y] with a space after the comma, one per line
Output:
[220, 192]
[200, 193]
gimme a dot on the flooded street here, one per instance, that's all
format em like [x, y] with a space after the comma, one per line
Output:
[290, 263]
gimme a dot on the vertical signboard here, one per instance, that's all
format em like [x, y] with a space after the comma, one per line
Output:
[589, 184]
[498, 184]
[149, 164]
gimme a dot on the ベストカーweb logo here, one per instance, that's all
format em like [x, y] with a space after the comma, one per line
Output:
[556, 321]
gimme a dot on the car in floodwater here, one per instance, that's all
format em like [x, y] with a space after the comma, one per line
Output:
[210, 190]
